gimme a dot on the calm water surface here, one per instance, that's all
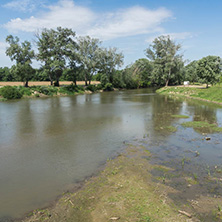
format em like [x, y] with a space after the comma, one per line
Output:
[47, 145]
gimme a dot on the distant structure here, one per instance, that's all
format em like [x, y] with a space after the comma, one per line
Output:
[186, 83]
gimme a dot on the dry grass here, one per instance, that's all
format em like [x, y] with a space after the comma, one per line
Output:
[45, 83]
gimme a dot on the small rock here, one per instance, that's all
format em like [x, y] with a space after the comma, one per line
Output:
[189, 185]
[114, 218]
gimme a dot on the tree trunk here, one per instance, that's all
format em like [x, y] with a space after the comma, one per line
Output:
[207, 85]
[74, 82]
[167, 82]
[56, 82]
[89, 82]
[26, 84]
[51, 82]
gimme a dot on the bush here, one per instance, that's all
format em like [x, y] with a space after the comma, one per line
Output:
[47, 90]
[104, 80]
[99, 87]
[10, 92]
[91, 88]
[108, 87]
[71, 89]
[144, 84]
[25, 91]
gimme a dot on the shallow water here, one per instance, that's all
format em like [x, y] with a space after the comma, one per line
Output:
[47, 145]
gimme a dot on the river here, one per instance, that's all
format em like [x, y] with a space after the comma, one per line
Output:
[47, 145]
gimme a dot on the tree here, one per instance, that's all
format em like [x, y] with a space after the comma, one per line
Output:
[209, 69]
[22, 54]
[109, 60]
[142, 72]
[163, 52]
[88, 56]
[75, 69]
[191, 72]
[54, 48]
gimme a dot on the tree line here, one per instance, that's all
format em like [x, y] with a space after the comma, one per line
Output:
[64, 56]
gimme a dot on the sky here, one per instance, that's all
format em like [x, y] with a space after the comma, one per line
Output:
[129, 25]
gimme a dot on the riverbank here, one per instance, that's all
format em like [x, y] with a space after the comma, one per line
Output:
[14, 90]
[126, 191]
[211, 94]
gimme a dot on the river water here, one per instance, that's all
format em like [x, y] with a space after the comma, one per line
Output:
[49, 144]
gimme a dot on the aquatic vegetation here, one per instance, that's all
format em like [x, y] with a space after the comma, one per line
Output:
[203, 125]
[180, 116]
[171, 129]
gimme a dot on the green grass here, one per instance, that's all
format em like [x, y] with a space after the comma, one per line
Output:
[203, 125]
[171, 129]
[213, 93]
[180, 116]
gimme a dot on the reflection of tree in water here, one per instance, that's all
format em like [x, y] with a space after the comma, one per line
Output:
[54, 117]
[25, 121]
[204, 114]
[163, 109]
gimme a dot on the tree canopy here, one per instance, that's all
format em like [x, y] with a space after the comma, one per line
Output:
[22, 54]
[209, 69]
[164, 54]
[54, 46]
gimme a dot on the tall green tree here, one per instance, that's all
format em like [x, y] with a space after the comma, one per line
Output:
[53, 50]
[88, 56]
[22, 54]
[164, 53]
[142, 72]
[209, 69]
[109, 61]
[191, 72]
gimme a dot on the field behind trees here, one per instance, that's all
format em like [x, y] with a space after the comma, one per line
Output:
[45, 83]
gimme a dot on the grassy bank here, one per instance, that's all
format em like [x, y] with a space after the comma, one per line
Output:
[212, 94]
[17, 92]
[126, 191]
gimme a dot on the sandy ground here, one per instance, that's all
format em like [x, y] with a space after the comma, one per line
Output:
[44, 83]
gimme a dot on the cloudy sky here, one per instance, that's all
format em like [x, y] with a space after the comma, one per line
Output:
[128, 25]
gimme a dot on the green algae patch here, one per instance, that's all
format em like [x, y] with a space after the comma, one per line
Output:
[180, 116]
[171, 129]
[203, 126]
[129, 194]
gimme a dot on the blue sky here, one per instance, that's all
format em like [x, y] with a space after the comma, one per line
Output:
[128, 25]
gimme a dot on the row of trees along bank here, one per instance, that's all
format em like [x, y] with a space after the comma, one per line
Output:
[64, 56]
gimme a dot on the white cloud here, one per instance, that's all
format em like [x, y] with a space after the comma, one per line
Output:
[23, 5]
[173, 36]
[131, 21]
[121, 23]
[4, 60]
[65, 13]
[3, 46]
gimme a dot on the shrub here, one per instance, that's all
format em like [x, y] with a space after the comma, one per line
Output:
[108, 87]
[25, 91]
[91, 88]
[71, 89]
[10, 92]
[47, 90]
[99, 87]
[104, 80]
